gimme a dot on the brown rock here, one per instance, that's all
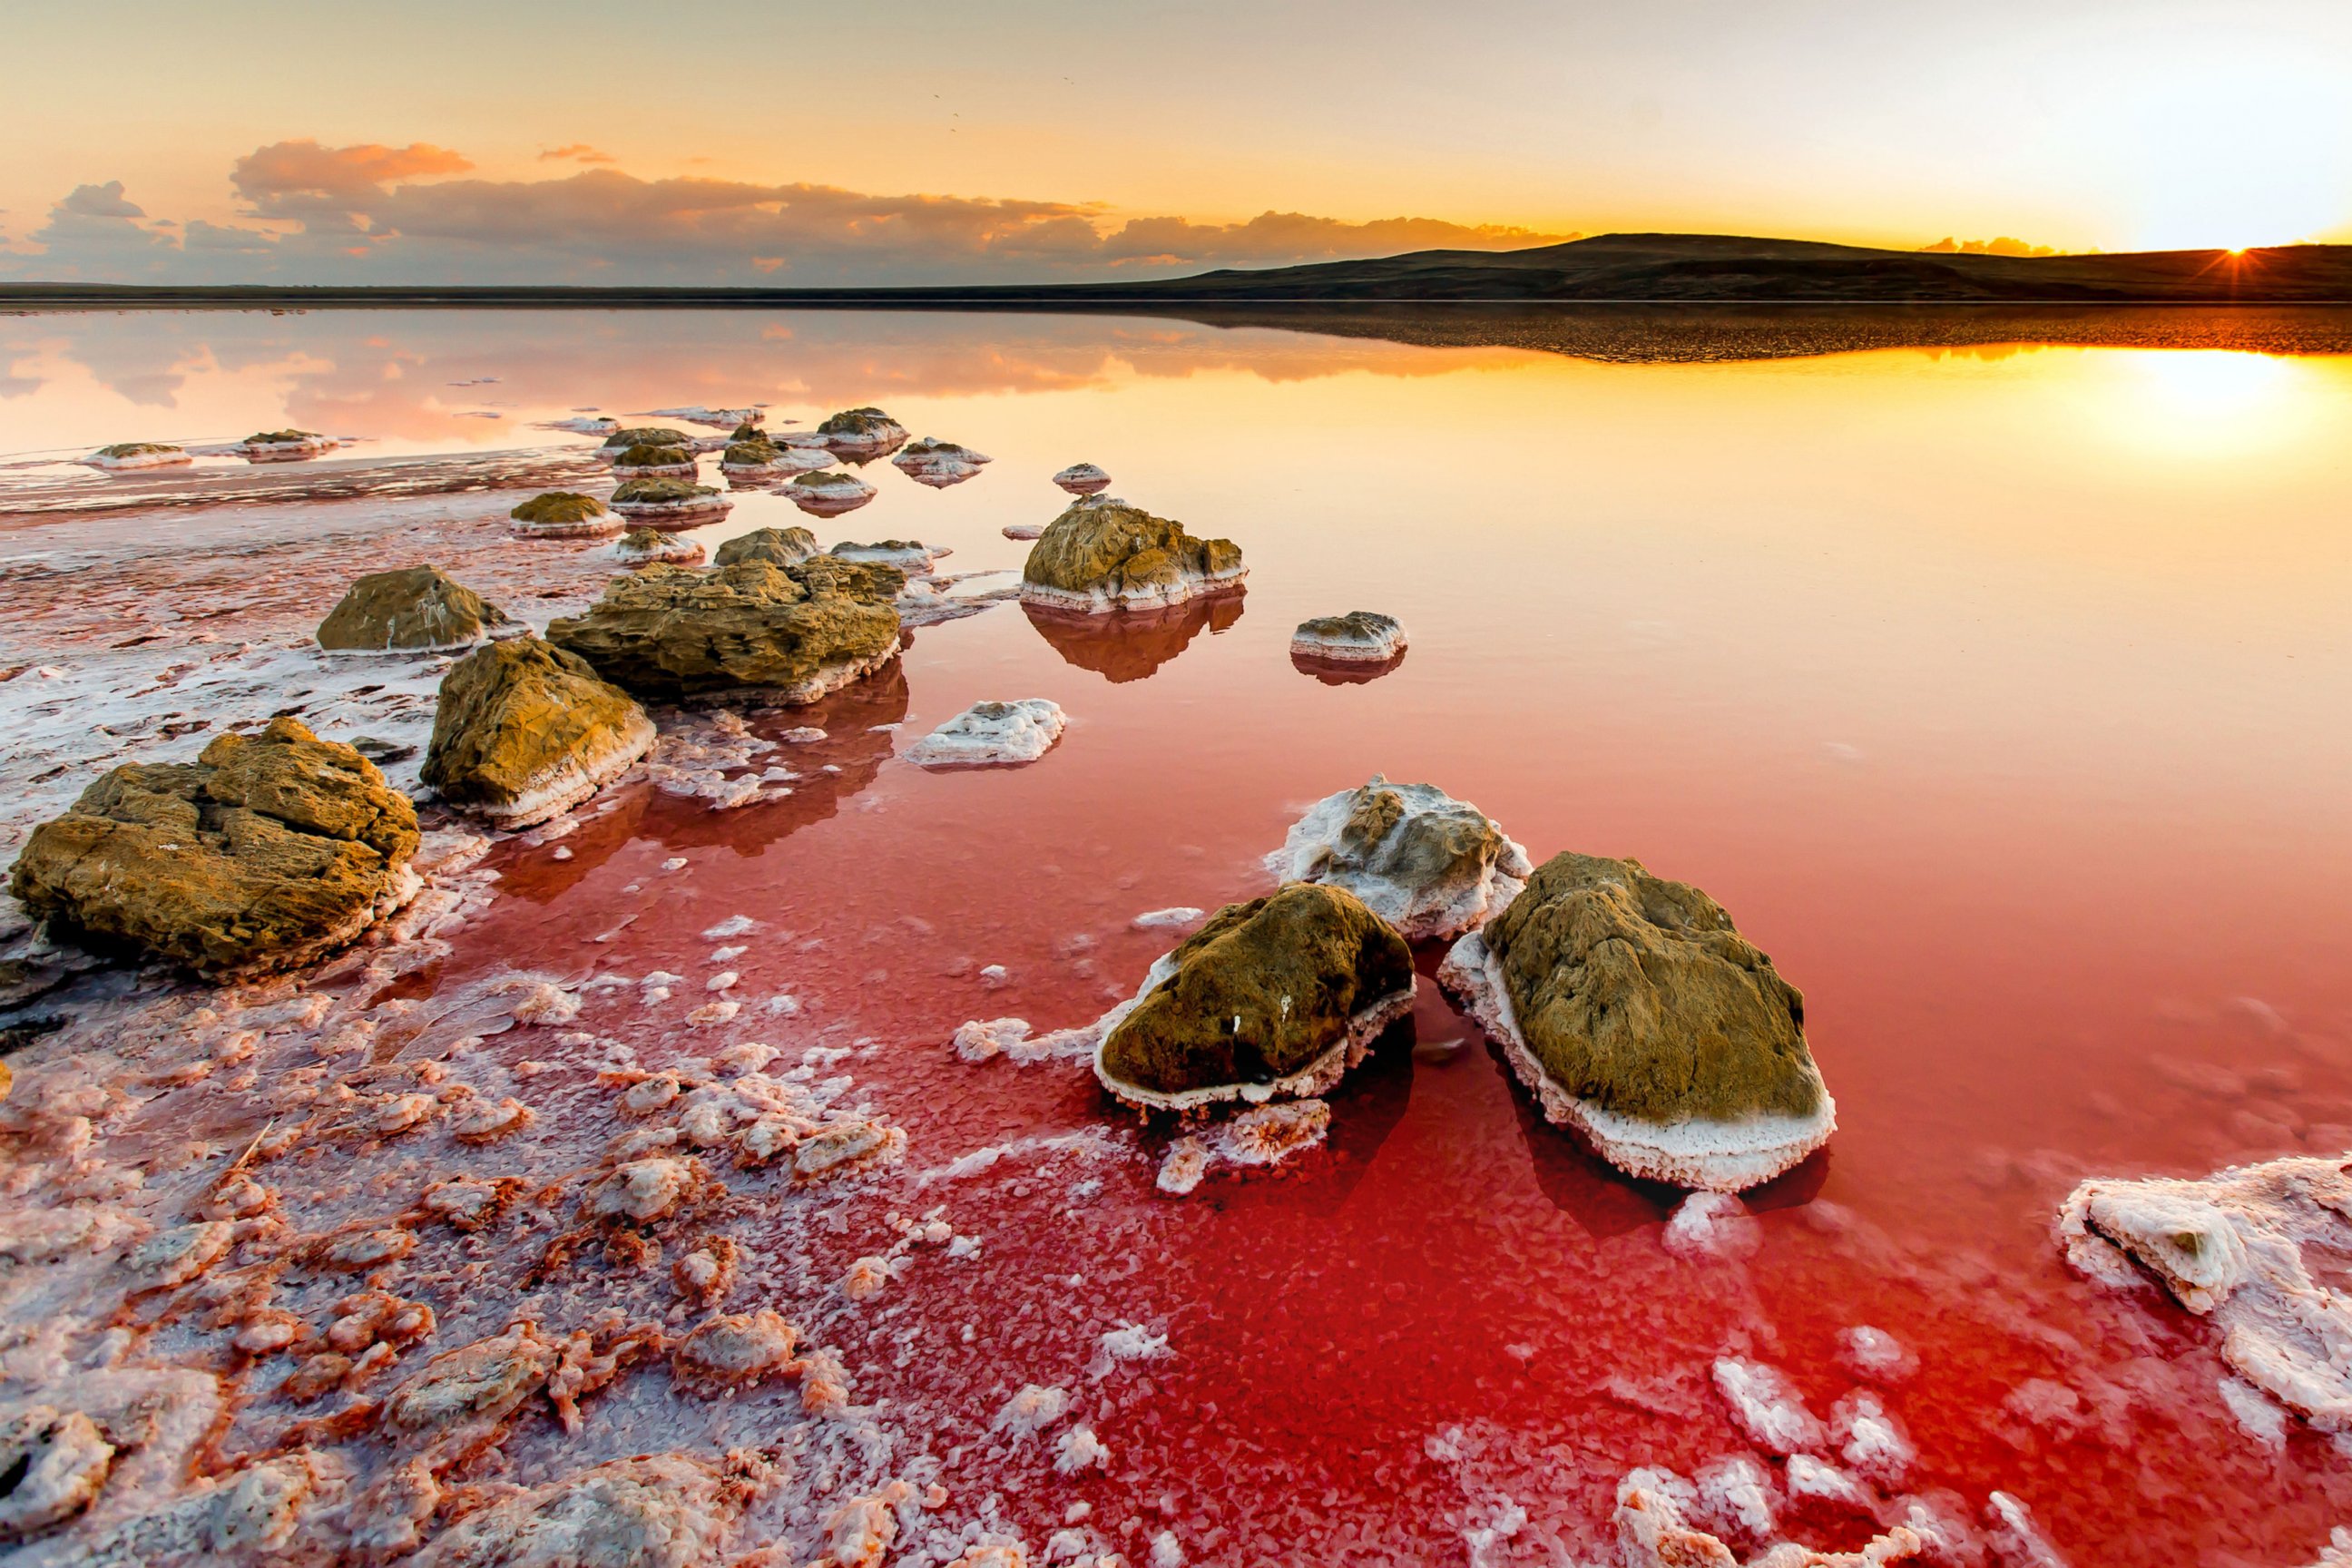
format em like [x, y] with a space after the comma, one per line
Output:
[524, 730]
[416, 609]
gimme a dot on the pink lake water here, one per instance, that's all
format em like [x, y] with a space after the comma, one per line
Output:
[2000, 695]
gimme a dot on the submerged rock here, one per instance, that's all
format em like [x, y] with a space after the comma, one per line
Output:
[415, 609]
[861, 431]
[750, 632]
[285, 446]
[1275, 998]
[1431, 866]
[1103, 554]
[524, 729]
[992, 735]
[671, 503]
[564, 514]
[1359, 637]
[646, 461]
[911, 556]
[267, 851]
[643, 546]
[137, 455]
[938, 463]
[776, 546]
[828, 494]
[2240, 1249]
[1639, 1017]
[1083, 479]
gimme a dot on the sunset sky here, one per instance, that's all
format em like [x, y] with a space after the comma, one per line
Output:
[784, 143]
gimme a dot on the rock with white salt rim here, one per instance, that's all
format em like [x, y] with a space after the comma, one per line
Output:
[1083, 479]
[1429, 865]
[992, 735]
[1359, 637]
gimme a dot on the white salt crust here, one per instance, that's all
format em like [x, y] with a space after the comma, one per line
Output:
[1083, 479]
[1103, 601]
[1319, 1077]
[164, 459]
[676, 552]
[1389, 643]
[992, 735]
[948, 466]
[653, 470]
[1715, 1156]
[840, 493]
[914, 557]
[604, 526]
[1419, 911]
[829, 679]
[788, 462]
[688, 513]
[570, 780]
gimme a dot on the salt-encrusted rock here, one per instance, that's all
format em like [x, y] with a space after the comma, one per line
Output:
[643, 546]
[992, 735]
[620, 440]
[762, 460]
[1103, 554]
[828, 494]
[137, 455]
[563, 514]
[938, 463]
[2238, 1248]
[524, 730]
[656, 1511]
[776, 546]
[1431, 866]
[52, 1463]
[285, 446]
[1639, 1017]
[415, 609]
[266, 852]
[671, 503]
[1275, 998]
[1359, 637]
[748, 633]
[861, 431]
[911, 556]
[717, 418]
[1083, 479]
[646, 461]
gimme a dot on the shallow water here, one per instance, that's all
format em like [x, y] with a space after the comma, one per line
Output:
[1999, 694]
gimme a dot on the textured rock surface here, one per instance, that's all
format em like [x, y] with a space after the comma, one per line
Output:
[524, 729]
[751, 631]
[657, 1511]
[1083, 479]
[650, 461]
[2241, 1249]
[1431, 866]
[630, 436]
[1640, 1015]
[267, 851]
[992, 735]
[643, 546]
[861, 429]
[669, 502]
[776, 546]
[564, 514]
[416, 609]
[1276, 996]
[1103, 554]
[1362, 637]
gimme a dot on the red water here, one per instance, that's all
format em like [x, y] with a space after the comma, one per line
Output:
[2001, 700]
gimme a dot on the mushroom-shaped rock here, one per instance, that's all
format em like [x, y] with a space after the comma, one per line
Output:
[1104, 554]
[643, 546]
[671, 503]
[750, 632]
[992, 735]
[1642, 1018]
[861, 430]
[938, 463]
[620, 440]
[524, 729]
[1083, 479]
[415, 609]
[124, 455]
[1277, 997]
[828, 494]
[757, 459]
[1359, 637]
[776, 546]
[1431, 866]
[646, 461]
[285, 446]
[563, 514]
[266, 852]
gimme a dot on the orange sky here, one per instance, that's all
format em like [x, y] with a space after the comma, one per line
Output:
[2136, 125]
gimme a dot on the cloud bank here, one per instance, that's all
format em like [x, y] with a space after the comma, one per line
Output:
[373, 213]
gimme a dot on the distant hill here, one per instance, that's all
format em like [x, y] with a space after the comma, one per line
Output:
[1685, 268]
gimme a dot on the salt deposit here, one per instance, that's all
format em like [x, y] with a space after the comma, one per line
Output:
[992, 735]
[1081, 480]
[1431, 866]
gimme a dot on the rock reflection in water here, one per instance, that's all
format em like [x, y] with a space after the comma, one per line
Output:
[1342, 672]
[1129, 645]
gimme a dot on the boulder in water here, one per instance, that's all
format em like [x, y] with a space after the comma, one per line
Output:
[671, 503]
[285, 446]
[651, 462]
[1431, 866]
[524, 730]
[828, 494]
[992, 735]
[268, 851]
[644, 546]
[1083, 479]
[563, 514]
[938, 464]
[620, 440]
[776, 546]
[137, 455]
[1103, 554]
[748, 633]
[861, 431]
[1359, 637]
[1275, 998]
[911, 556]
[414, 609]
[1639, 1017]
